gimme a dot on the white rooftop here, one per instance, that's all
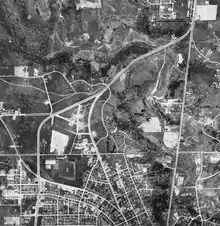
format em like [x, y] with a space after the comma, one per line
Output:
[206, 12]
[21, 71]
[58, 142]
[50, 162]
[88, 4]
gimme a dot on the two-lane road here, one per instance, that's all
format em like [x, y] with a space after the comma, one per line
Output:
[98, 94]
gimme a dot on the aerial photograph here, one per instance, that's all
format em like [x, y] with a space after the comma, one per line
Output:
[109, 112]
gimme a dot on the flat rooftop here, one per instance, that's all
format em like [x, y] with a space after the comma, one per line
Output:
[58, 142]
[206, 12]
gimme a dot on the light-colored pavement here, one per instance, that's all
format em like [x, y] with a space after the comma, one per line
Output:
[96, 97]
[182, 113]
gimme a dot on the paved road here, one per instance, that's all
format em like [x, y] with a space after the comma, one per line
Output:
[26, 115]
[98, 94]
[182, 113]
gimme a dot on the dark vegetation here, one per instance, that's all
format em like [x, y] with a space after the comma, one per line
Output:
[144, 25]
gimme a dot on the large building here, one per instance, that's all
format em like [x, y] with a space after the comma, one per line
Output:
[89, 4]
[59, 142]
[206, 12]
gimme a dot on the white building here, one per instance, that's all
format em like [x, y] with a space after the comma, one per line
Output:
[206, 12]
[21, 71]
[50, 162]
[214, 158]
[180, 180]
[88, 4]
[58, 142]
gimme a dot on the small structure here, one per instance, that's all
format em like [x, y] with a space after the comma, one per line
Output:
[180, 58]
[49, 163]
[206, 12]
[180, 180]
[164, 159]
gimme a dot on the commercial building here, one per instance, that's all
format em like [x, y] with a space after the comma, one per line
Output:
[206, 12]
[58, 142]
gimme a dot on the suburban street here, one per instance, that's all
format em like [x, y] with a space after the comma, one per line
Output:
[109, 112]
